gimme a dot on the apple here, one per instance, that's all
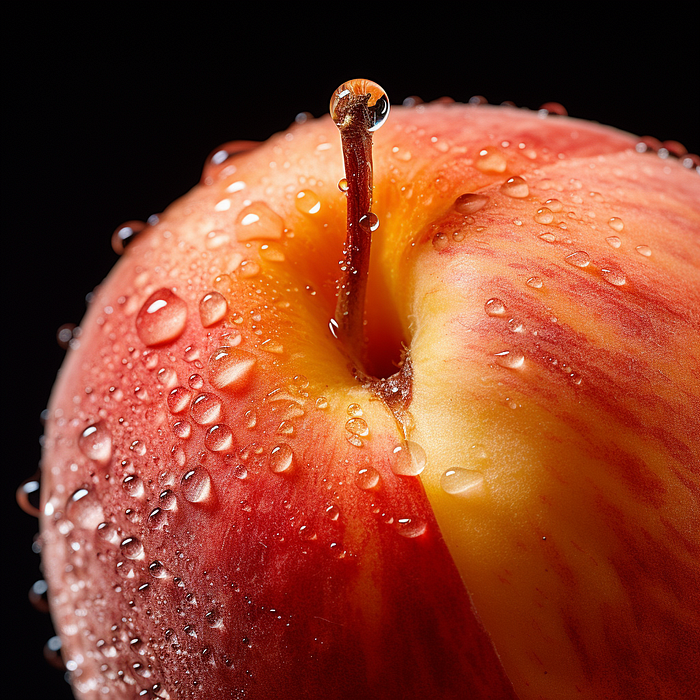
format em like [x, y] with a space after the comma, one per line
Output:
[463, 466]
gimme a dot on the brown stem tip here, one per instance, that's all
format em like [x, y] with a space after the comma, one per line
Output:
[358, 107]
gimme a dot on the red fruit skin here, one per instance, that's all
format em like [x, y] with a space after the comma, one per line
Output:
[264, 594]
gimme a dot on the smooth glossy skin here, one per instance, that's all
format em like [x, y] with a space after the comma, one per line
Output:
[294, 569]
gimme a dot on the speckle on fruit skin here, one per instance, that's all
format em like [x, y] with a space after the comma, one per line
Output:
[181, 521]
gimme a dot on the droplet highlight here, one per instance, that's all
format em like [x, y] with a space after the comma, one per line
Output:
[162, 318]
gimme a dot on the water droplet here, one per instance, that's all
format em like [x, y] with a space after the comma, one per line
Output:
[182, 429]
[272, 252]
[307, 202]
[162, 318]
[157, 518]
[616, 224]
[343, 185]
[332, 511]
[491, 160]
[179, 399]
[133, 486]
[535, 282]
[614, 241]
[206, 409]
[95, 443]
[515, 325]
[367, 478]
[212, 308]
[644, 250]
[219, 438]
[196, 485]
[554, 205]
[107, 532]
[613, 276]
[494, 307]
[28, 496]
[470, 203]
[369, 222]
[461, 482]
[510, 359]
[251, 418]
[125, 234]
[515, 187]
[132, 548]
[248, 269]
[167, 500]
[321, 403]
[357, 426]
[157, 569]
[354, 410]
[281, 459]
[258, 222]
[411, 527]
[231, 368]
[84, 510]
[378, 102]
[544, 216]
[409, 459]
[579, 259]
[138, 447]
[548, 237]
[195, 381]
[272, 346]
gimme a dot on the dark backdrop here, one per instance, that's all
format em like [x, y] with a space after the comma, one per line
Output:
[111, 119]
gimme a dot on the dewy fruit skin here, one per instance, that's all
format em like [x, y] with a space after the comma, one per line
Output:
[229, 509]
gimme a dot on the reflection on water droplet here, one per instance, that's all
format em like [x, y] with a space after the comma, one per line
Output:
[272, 252]
[321, 403]
[616, 224]
[510, 359]
[409, 459]
[491, 160]
[613, 276]
[196, 485]
[579, 259]
[251, 418]
[515, 187]
[470, 203]
[462, 482]
[343, 185]
[95, 443]
[231, 368]
[272, 346]
[162, 318]
[307, 202]
[378, 102]
[212, 308]
[554, 205]
[219, 438]
[157, 518]
[281, 459]
[258, 222]
[367, 478]
[544, 216]
[206, 409]
[494, 307]
[535, 282]
[614, 241]
[354, 410]
[248, 269]
[644, 250]
[332, 511]
[108, 532]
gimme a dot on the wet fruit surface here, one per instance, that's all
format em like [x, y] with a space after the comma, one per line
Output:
[225, 454]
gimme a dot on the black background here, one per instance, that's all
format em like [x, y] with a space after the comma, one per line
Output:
[111, 118]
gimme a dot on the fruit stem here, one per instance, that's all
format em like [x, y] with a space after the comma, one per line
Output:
[352, 116]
